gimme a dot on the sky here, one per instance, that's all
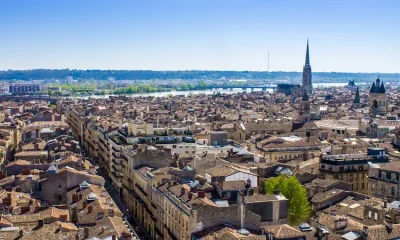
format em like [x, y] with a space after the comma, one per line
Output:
[344, 35]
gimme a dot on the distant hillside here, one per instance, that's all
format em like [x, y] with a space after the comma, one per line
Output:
[186, 75]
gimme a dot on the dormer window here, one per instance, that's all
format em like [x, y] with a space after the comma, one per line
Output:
[84, 185]
[91, 197]
[393, 177]
[383, 176]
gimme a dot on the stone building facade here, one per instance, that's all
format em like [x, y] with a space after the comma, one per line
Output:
[377, 98]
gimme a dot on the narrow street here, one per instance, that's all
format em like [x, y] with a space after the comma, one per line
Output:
[133, 223]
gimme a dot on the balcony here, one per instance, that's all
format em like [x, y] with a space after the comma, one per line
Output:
[140, 189]
[117, 176]
[116, 168]
[116, 155]
[116, 179]
[124, 157]
[116, 161]
[115, 149]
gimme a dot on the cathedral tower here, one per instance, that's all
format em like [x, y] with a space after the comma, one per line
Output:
[377, 98]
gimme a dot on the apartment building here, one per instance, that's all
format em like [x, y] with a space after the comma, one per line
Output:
[179, 139]
[384, 180]
[352, 168]
[287, 148]
[75, 119]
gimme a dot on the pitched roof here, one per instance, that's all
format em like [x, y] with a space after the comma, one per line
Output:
[283, 231]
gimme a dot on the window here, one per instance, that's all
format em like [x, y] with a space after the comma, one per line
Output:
[173, 146]
[376, 216]
[59, 186]
[369, 214]
[111, 213]
[393, 191]
[323, 166]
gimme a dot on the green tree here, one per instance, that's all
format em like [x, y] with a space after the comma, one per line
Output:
[290, 187]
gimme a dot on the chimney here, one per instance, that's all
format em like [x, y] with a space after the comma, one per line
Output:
[340, 224]
[190, 196]
[240, 201]
[86, 232]
[40, 223]
[201, 194]
[64, 218]
[90, 209]
[196, 162]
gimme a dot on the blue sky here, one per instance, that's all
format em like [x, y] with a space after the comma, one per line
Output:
[345, 35]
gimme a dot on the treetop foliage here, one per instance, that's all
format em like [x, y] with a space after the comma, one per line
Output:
[290, 187]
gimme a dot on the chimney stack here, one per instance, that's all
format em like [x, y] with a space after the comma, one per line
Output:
[40, 223]
[201, 194]
[86, 232]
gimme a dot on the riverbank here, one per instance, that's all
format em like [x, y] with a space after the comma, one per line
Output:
[206, 92]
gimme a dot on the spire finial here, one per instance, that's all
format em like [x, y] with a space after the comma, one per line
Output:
[307, 55]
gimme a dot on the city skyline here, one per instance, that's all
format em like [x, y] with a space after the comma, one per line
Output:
[206, 35]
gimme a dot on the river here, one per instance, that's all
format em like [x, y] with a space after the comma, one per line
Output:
[206, 92]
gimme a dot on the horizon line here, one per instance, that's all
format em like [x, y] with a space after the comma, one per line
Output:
[186, 70]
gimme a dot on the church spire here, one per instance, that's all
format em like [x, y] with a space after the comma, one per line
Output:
[307, 56]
